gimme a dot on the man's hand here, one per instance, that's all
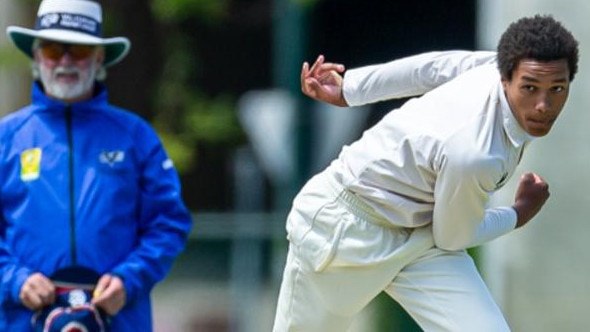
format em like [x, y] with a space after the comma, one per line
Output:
[37, 292]
[531, 195]
[323, 82]
[109, 294]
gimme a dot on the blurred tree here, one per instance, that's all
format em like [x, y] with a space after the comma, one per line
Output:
[192, 59]
[162, 80]
[133, 83]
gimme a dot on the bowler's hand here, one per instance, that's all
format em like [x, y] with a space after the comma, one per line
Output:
[531, 195]
[323, 82]
[109, 294]
[37, 292]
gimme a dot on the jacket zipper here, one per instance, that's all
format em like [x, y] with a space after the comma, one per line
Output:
[71, 185]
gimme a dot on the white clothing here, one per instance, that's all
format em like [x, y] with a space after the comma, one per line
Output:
[453, 146]
[342, 255]
[397, 209]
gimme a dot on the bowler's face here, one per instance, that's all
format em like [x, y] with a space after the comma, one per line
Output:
[537, 93]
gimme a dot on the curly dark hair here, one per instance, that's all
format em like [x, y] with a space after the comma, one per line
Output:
[540, 38]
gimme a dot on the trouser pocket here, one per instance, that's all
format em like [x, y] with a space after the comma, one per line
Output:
[315, 226]
[325, 256]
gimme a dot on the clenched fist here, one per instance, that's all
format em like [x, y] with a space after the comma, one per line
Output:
[531, 195]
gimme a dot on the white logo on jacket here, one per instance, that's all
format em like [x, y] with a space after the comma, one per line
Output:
[167, 164]
[111, 157]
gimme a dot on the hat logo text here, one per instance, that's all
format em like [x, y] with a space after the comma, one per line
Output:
[78, 22]
[67, 21]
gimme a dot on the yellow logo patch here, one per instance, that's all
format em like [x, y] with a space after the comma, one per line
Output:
[30, 161]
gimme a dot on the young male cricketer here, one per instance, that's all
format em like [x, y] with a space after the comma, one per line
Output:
[398, 208]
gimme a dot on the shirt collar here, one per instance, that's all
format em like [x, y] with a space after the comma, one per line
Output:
[514, 131]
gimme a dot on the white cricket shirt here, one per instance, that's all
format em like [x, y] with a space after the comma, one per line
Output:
[439, 157]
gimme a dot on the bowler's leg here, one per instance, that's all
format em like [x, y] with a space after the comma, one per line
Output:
[300, 306]
[443, 291]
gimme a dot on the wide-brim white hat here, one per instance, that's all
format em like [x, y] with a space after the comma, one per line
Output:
[72, 22]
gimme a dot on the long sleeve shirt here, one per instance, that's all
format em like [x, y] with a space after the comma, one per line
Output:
[439, 157]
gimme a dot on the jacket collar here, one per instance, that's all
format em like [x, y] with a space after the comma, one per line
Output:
[41, 99]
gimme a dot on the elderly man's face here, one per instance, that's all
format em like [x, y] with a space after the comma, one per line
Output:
[68, 71]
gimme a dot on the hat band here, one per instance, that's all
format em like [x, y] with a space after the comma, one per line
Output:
[68, 21]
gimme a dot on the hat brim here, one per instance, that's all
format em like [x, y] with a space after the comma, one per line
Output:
[115, 48]
[76, 275]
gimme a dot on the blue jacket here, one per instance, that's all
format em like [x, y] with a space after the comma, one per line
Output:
[86, 184]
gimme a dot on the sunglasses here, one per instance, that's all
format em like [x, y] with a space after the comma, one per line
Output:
[55, 51]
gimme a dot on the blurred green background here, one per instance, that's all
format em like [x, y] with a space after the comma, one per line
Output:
[191, 65]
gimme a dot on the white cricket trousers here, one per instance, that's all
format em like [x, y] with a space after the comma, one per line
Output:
[342, 255]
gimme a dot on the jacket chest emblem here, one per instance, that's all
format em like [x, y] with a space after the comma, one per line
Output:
[111, 157]
[30, 161]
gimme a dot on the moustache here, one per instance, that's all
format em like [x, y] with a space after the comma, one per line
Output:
[61, 70]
